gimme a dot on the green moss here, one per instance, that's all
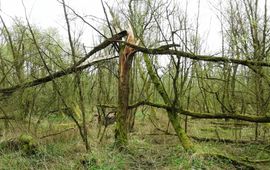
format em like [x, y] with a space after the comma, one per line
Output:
[27, 144]
[25, 139]
[184, 139]
[121, 139]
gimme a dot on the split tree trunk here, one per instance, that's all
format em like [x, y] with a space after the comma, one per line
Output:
[123, 114]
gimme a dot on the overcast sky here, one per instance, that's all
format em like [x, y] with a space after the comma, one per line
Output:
[49, 13]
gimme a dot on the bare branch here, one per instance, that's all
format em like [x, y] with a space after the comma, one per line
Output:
[51, 77]
[248, 118]
[69, 70]
[223, 59]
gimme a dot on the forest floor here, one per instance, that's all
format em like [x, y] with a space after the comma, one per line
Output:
[59, 146]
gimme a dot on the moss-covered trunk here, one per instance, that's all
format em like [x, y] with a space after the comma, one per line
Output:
[122, 117]
[181, 134]
[172, 115]
[123, 98]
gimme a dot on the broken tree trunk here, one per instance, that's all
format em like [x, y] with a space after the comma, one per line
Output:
[122, 116]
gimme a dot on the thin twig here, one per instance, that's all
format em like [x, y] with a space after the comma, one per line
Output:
[58, 133]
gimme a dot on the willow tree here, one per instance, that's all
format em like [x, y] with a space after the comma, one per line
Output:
[247, 35]
[144, 20]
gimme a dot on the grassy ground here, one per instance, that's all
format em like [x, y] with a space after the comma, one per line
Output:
[148, 147]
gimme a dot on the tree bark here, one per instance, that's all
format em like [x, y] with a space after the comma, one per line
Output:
[123, 114]
[172, 114]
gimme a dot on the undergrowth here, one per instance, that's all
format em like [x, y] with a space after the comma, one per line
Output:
[148, 148]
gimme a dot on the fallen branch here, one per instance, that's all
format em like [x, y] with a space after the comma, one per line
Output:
[51, 77]
[201, 139]
[106, 106]
[7, 118]
[255, 161]
[101, 46]
[222, 140]
[236, 163]
[141, 103]
[55, 134]
[248, 118]
[240, 124]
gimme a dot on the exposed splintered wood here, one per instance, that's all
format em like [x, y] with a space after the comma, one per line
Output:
[160, 51]
[122, 116]
[70, 101]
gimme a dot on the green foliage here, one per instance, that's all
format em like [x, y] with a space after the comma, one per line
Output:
[143, 152]
[200, 86]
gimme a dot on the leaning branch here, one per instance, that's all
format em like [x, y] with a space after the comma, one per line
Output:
[101, 46]
[51, 77]
[69, 70]
[168, 51]
[161, 106]
[248, 118]
[116, 38]
[58, 133]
